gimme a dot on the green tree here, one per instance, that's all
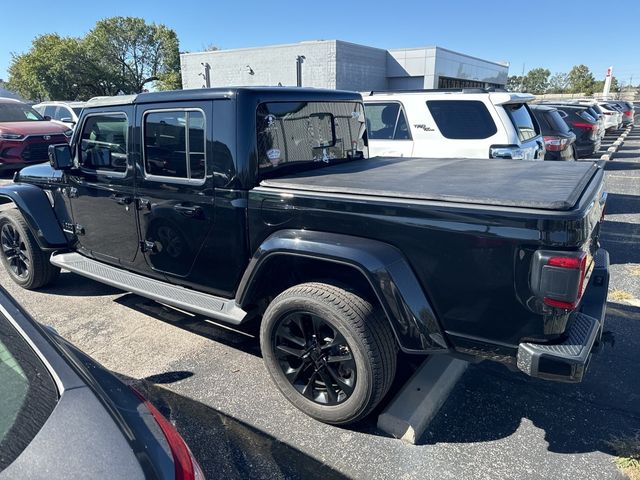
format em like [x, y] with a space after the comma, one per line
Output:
[514, 83]
[134, 55]
[581, 80]
[120, 55]
[536, 81]
[558, 83]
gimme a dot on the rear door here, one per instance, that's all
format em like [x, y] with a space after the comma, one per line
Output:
[388, 130]
[175, 201]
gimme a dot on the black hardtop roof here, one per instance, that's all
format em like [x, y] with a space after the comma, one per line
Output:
[282, 94]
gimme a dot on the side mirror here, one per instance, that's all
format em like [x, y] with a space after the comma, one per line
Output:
[60, 156]
[68, 120]
[47, 118]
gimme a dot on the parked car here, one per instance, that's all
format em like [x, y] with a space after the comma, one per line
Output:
[65, 416]
[612, 116]
[558, 138]
[626, 108]
[65, 112]
[25, 135]
[344, 260]
[589, 131]
[468, 123]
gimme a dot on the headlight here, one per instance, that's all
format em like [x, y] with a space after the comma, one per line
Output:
[68, 133]
[10, 136]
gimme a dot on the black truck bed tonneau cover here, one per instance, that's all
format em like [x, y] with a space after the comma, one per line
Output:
[511, 183]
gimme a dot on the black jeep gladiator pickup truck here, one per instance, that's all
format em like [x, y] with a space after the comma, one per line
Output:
[260, 204]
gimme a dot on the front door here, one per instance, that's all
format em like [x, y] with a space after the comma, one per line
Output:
[101, 190]
[175, 200]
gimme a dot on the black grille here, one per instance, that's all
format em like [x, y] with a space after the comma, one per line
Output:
[38, 151]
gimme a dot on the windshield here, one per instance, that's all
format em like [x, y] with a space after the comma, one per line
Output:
[18, 112]
[291, 133]
[77, 110]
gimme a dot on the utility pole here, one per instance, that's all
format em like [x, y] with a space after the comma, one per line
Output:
[299, 61]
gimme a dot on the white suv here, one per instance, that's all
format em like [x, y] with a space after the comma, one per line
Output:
[62, 112]
[468, 123]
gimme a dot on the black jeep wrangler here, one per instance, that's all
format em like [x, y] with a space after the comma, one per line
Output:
[261, 204]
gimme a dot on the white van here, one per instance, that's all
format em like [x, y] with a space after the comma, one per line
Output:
[468, 123]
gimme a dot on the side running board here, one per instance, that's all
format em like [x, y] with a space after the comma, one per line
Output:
[211, 306]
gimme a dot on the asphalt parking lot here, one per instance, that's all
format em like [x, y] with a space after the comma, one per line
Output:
[496, 424]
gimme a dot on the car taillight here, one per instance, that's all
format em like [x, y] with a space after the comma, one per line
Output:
[186, 466]
[586, 126]
[555, 144]
[512, 151]
[558, 279]
[628, 113]
[578, 264]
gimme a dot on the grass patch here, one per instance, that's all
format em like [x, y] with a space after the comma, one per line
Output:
[619, 295]
[627, 450]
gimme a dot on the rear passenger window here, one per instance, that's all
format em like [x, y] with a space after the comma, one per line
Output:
[174, 144]
[386, 121]
[522, 120]
[103, 144]
[462, 119]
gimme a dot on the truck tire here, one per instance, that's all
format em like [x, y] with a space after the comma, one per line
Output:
[329, 351]
[25, 262]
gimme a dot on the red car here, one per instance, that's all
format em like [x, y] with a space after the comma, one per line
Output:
[25, 135]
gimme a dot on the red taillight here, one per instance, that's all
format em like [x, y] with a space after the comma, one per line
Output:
[186, 466]
[574, 263]
[555, 144]
[587, 126]
[628, 113]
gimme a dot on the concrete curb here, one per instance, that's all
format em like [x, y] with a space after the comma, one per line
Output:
[615, 146]
[413, 408]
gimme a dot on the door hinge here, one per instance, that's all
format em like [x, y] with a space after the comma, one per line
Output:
[73, 228]
[70, 192]
[149, 246]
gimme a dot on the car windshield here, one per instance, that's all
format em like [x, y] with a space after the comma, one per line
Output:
[77, 110]
[27, 393]
[18, 112]
[297, 133]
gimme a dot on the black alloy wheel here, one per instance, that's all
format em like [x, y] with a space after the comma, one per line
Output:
[15, 251]
[331, 352]
[26, 263]
[315, 358]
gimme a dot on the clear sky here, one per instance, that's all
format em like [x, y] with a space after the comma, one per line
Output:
[554, 34]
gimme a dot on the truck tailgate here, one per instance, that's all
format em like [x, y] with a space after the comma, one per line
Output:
[509, 183]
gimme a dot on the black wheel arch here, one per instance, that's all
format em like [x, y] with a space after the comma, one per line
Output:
[374, 269]
[37, 212]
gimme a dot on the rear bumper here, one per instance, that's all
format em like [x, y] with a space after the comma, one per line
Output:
[568, 361]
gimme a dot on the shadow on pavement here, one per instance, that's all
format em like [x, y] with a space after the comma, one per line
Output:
[72, 285]
[622, 240]
[622, 203]
[491, 403]
[617, 165]
[228, 448]
[243, 338]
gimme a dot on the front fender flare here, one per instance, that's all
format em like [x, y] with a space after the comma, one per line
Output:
[38, 213]
[395, 285]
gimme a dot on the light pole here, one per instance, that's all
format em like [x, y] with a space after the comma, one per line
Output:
[206, 73]
[299, 61]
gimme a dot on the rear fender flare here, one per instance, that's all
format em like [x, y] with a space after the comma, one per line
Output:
[388, 273]
[38, 213]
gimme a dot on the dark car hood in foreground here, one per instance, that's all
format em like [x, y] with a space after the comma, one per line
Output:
[509, 183]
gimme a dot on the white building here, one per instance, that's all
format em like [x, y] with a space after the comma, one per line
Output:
[341, 65]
